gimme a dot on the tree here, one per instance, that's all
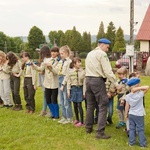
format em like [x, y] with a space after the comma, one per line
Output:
[53, 37]
[119, 45]
[35, 38]
[3, 39]
[101, 33]
[110, 34]
[18, 44]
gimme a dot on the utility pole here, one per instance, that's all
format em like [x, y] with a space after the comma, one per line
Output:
[131, 57]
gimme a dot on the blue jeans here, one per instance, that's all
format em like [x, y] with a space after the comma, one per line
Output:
[136, 124]
[110, 108]
[64, 101]
[44, 102]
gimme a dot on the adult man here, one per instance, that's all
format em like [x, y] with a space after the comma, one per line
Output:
[98, 68]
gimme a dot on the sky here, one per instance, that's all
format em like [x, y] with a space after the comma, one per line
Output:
[17, 17]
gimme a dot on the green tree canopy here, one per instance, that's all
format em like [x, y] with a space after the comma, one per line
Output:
[110, 34]
[119, 45]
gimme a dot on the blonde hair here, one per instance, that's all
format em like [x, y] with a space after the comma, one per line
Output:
[66, 49]
[3, 57]
[122, 70]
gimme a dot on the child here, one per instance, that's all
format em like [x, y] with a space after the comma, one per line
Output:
[111, 92]
[76, 89]
[16, 72]
[5, 90]
[122, 75]
[63, 67]
[29, 84]
[134, 104]
[134, 74]
[51, 79]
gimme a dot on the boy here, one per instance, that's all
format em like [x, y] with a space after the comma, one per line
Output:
[134, 104]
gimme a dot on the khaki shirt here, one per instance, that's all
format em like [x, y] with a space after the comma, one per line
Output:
[30, 72]
[16, 69]
[75, 78]
[51, 76]
[97, 65]
[63, 67]
[5, 71]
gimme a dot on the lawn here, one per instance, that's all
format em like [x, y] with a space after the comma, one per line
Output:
[21, 131]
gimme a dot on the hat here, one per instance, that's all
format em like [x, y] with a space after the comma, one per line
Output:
[105, 41]
[133, 81]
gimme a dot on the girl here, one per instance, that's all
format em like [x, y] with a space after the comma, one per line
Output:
[5, 90]
[76, 89]
[15, 65]
[63, 67]
[50, 80]
[29, 84]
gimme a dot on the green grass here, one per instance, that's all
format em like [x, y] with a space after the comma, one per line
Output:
[21, 131]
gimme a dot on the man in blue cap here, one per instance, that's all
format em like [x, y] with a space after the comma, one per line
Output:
[98, 68]
[134, 110]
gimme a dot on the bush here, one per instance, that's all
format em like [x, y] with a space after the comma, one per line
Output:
[83, 55]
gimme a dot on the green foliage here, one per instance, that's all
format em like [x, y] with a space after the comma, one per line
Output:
[3, 39]
[110, 34]
[137, 45]
[83, 54]
[35, 38]
[101, 33]
[119, 41]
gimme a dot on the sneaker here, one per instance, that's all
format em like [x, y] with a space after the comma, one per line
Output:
[9, 106]
[62, 120]
[102, 136]
[120, 124]
[79, 124]
[43, 113]
[75, 122]
[89, 130]
[68, 121]
[109, 121]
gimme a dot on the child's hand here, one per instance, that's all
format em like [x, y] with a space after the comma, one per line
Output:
[16, 75]
[109, 95]
[69, 96]
[35, 87]
[62, 88]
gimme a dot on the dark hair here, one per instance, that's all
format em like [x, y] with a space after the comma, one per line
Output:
[74, 60]
[12, 57]
[44, 52]
[55, 49]
[25, 54]
[133, 74]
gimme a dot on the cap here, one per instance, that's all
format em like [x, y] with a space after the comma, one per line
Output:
[105, 41]
[133, 81]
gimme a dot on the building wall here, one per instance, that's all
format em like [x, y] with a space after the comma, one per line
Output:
[144, 46]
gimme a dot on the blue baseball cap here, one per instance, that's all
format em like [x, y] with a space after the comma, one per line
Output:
[133, 81]
[105, 41]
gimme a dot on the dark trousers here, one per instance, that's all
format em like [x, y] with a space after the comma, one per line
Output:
[51, 95]
[15, 88]
[29, 93]
[96, 91]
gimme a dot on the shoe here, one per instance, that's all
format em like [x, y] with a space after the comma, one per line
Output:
[43, 113]
[79, 124]
[89, 130]
[120, 124]
[68, 121]
[19, 107]
[13, 108]
[27, 111]
[31, 112]
[75, 122]
[109, 121]
[102, 136]
[9, 106]
[62, 120]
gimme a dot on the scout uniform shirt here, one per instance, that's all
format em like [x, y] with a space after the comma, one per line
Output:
[75, 78]
[51, 77]
[30, 72]
[16, 69]
[63, 66]
[4, 72]
[98, 65]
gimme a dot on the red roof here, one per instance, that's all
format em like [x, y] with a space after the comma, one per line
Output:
[144, 31]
